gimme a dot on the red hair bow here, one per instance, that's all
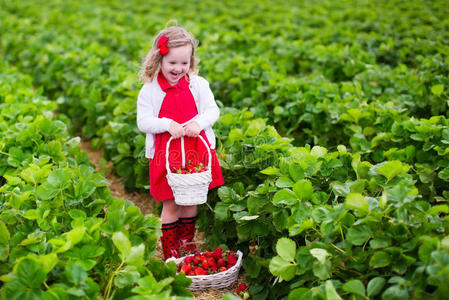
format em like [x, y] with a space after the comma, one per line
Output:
[162, 44]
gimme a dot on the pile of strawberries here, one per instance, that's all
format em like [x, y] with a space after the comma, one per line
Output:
[191, 167]
[208, 262]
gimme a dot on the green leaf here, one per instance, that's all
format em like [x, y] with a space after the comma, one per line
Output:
[428, 246]
[286, 248]
[300, 294]
[298, 228]
[318, 151]
[229, 296]
[30, 273]
[319, 254]
[375, 286]
[84, 189]
[12, 180]
[380, 259]
[322, 271]
[271, 171]
[331, 293]
[75, 273]
[46, 191]
[281, 267]
[393, 168]
[4, 233]
[284, 182]
[59, 178]
[395, 292]
[437, 89]
[358, 234]
[296, 172]
[75, 235]
[31, 214]
[48, 262]
[303, 189]
[285, 197]
[135, 256]
[122, 243]
[235, 134]
[357, 201]
[221, 211]
[15, 157]
[444, 174]
[4, 241]
[126, 277]
[226, 194]
[354, 286]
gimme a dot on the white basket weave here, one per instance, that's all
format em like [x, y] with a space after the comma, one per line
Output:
[189, 189]
[213, 281]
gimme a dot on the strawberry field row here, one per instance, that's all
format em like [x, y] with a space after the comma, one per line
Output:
[361, 213]
[62, 234]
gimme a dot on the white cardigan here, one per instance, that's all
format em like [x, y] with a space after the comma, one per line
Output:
[149, 104]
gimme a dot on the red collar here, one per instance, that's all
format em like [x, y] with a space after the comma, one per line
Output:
[165, 85]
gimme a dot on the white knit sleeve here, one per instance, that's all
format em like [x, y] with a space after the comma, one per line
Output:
[146, 121]
[210, 111]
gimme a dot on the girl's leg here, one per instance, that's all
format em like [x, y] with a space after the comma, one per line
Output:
[170, 211]
[187, 211]
[186, 227]
[169, 238]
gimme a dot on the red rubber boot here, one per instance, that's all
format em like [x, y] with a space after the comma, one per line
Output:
[169, 239]
[186, 233]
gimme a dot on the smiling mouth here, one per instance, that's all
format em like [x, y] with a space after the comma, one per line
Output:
[175, 74]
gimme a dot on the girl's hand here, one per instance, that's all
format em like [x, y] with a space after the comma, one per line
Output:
[176, 130]
[192, 129]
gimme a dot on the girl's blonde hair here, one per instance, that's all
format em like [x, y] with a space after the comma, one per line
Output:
[177, 36]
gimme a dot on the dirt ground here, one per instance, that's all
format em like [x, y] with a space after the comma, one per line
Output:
[146, 204]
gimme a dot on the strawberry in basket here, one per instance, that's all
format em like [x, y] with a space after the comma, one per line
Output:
[191, 167]
[208, 262]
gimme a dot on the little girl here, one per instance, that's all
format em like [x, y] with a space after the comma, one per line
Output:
[175, 102]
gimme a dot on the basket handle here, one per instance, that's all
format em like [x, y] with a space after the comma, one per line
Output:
[183, 154]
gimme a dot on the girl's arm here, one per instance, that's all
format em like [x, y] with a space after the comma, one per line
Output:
[146, 121]
[211, 114]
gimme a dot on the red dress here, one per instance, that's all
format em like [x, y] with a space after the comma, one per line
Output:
[179, 106]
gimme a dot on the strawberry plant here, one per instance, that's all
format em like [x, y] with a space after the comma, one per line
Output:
[332, 140]
[62, 234]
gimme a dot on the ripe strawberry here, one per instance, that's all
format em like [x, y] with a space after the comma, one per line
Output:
[205, 265]
[222, 269]
[201, 271]
[188, 260]
[241, 288]
[217, 254]
[221, 263]
[208, 254]
[213, 269]
[232, 260]
[185, 269]
[211, 262]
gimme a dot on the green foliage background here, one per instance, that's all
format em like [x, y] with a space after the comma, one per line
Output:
[333, 135]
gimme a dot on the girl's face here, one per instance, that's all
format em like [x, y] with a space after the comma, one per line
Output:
[176, 63]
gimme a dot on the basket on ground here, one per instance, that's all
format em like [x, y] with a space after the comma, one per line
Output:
[192, 188]
[213, 281]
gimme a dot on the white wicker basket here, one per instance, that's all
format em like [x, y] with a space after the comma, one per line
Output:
[213, 281]
[189, 189]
